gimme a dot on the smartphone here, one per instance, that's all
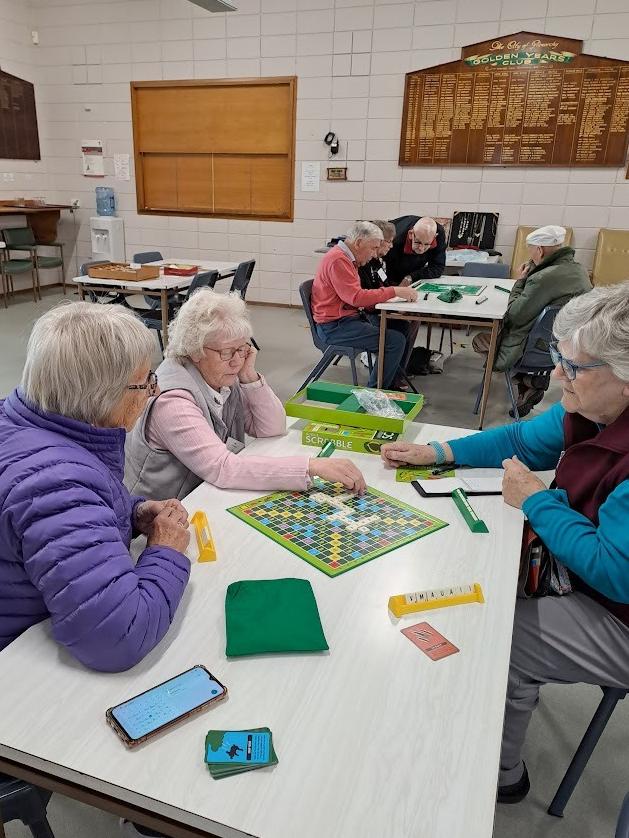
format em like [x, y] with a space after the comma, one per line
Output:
[149, 713]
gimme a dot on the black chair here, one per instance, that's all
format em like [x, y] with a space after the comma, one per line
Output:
[622, 827]
[488, 270]
[241, 281]
[536, 358]
[611, 697]
[207, 279]
[142, 259]
[22, 801]
[103, 297]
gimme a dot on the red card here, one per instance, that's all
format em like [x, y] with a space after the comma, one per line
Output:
[428, 639]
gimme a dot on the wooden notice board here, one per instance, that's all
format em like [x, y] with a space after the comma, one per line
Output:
[215, 148]
[19, 138]
[520, 100]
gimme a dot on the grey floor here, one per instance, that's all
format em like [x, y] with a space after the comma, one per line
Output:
[564, 712]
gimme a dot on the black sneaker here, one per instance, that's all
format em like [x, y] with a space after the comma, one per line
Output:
[515, 792]
[527, 404]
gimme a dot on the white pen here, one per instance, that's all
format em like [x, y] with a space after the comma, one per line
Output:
[482, 300]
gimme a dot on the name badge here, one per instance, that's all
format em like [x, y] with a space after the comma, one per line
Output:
[382, 274]
[234, 445]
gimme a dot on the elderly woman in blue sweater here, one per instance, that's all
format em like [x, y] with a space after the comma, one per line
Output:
[581, 520]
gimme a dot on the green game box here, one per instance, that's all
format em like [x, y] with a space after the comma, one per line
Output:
[329, 402]
[345, 438]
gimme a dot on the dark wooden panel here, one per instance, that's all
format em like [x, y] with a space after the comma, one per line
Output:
[160, 181]
[19, 137]
[194, 182]
[523, 99]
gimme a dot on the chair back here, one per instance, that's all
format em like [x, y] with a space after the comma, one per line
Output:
[242, 277]
[622, 827]
[536, 356]
[84, 269]
[16, 236]
[205, 279]
[520, 248]
[487, 270]
[611, 259]
[305, 292]
[147, 256]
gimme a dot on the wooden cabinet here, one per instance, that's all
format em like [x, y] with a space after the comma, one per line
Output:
[215, 148]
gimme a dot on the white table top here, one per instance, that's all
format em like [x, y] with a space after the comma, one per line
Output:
[373, 738]
[164, 282]
[493, 309]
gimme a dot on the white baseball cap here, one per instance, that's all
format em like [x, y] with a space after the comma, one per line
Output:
[547, 236]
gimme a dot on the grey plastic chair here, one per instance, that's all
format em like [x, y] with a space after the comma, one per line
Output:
[22, 801]
[489, 270]
[206, 279]
[611, 697]
[536, 358]
[241, 281]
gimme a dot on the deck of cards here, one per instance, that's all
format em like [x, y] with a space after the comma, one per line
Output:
[230, 752]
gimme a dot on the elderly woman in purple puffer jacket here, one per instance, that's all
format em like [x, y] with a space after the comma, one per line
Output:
[66, 520]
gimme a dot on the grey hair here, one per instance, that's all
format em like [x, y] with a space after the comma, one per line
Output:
[205, 316]
[81, 357]
[363, 230]
[597, 323]
[428, 224]
[387, 229]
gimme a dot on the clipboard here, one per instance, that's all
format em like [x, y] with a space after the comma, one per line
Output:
[444, 487]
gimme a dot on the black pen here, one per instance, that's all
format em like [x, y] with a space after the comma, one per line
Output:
[500, 288]
[426, 296]
[482, 300]
[441, 469]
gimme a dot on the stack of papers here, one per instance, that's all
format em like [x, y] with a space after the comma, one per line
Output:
[230, 752]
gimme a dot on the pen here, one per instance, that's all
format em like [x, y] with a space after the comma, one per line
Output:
[500, 288]
[425, 296]
[442, 469]
[482, 300]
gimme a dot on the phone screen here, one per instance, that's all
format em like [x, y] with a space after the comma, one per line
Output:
[157, 707]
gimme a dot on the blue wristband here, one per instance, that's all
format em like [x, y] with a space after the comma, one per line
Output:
[440, 451]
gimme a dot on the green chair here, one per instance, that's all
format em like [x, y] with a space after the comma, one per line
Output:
[22, 239]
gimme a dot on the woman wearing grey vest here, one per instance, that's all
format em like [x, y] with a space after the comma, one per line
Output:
[210, 396]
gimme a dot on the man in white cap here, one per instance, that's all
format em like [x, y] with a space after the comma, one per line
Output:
[550, 277]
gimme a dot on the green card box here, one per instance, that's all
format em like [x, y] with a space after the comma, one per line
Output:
[325, 401]
[360, 440]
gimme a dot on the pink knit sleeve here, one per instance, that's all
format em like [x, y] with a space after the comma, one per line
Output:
[264, 412]
[177, 424]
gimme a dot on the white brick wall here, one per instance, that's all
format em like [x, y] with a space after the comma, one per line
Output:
[350, 56]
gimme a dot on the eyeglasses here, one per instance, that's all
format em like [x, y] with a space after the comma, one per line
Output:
[228, 354]
[151, 384]
[421, 243]
[569, 368]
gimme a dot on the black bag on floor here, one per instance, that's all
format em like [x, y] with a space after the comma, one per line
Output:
[418, 363]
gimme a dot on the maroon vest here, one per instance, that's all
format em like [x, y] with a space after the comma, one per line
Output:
[594, 463]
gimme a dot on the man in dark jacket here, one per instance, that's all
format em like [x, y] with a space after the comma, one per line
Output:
[418, 251]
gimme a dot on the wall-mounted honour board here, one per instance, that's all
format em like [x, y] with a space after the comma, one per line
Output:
[220, 147]
[519, 100]
[19, 138]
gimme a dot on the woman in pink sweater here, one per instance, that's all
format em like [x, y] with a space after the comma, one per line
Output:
[210, 396]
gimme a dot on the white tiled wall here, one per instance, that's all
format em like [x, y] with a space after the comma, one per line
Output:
[350, 57]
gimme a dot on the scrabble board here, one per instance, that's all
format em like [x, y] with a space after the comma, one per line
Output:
[333, 530]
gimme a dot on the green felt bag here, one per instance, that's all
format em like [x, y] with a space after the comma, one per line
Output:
[450, 296]
[272, 615]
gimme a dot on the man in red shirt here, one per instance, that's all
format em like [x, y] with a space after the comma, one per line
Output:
[343, 310]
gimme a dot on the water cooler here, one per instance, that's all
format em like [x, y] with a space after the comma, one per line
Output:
[107, 233]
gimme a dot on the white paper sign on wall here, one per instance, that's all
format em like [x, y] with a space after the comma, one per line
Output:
[310, 176]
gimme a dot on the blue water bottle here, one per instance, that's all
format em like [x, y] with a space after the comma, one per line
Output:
[105, 200]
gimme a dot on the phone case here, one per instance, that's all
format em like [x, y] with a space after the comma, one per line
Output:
[132, 743]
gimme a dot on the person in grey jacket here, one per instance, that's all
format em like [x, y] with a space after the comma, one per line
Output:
[551, 277]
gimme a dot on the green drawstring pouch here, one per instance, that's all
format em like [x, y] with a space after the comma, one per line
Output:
[450, 296]
[272, 615]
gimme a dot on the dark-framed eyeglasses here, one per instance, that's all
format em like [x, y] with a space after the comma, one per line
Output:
[150, 385]
[420, 243]
[228, 354]
[569, 368]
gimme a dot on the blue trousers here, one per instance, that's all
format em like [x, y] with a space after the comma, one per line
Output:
[365, 335]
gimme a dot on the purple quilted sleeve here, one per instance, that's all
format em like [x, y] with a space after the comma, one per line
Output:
[108, 612]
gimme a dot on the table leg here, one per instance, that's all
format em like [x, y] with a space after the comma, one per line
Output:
[491, 355]
[82, 298]
[164, 299]
[381, 345]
